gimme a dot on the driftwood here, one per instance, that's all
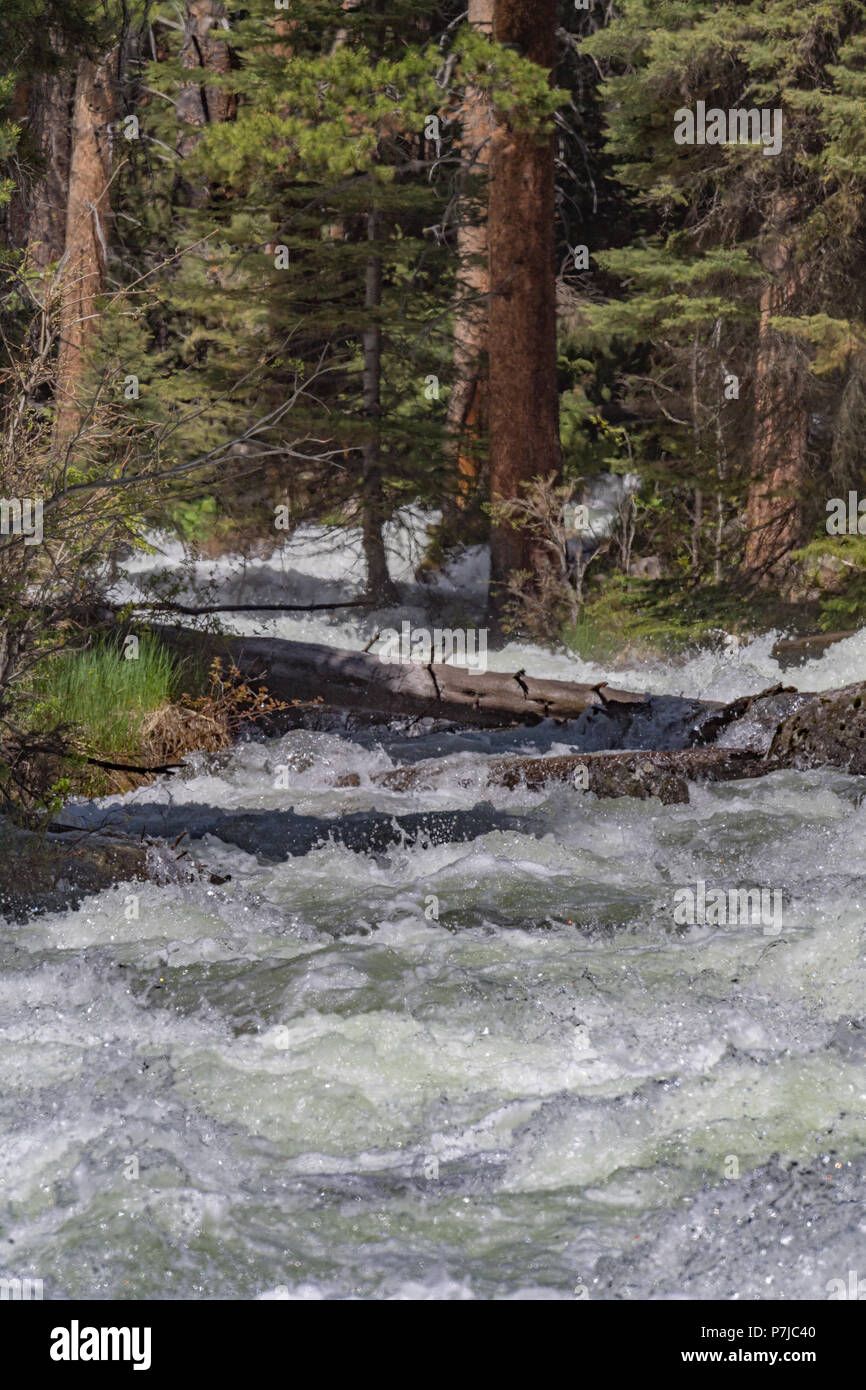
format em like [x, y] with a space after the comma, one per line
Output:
[789, 651]
[305, 669]
[300, 671]
[662, 773]
[826, 730]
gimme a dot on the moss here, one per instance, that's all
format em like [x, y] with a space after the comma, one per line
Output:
[627, 619]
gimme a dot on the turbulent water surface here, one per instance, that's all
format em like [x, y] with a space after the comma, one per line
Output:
[486, 1067]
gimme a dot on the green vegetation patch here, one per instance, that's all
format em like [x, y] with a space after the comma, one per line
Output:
[106, 694]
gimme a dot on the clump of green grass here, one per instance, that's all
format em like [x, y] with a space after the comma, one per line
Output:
[106, 695]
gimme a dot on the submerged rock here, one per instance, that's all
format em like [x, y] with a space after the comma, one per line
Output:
[46, 872]
[663, 773]
[95, 847]
[829, 730]
[277, 835]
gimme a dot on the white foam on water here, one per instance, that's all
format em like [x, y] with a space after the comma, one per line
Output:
[320, 565]
[489, 1068]
[302, 1060]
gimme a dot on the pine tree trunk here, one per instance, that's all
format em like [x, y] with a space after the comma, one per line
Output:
[204, 50]
[697, 523]
[467, 404]
[88, 213]
[779, 448]
[37, 211]
[524, 401]
[379, 584]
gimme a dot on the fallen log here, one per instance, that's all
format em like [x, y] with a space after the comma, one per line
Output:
[359, 680]
[813, 730]
[827, 730]
[664, 773]
[792, 651]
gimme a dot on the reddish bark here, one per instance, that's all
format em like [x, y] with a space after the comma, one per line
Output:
[88, 213]
[524, 401]
[37, 212]
[468, 402]
[779, 446]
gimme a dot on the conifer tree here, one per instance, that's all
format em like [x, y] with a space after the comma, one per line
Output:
[740, 281]
[524, 400]
[467, 414]
[339, 141]
[87, 230]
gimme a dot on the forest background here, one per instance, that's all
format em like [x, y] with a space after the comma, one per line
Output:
[287, 261]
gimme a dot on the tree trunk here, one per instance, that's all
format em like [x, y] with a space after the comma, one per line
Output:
[468, 403]
[37, 211]
[205, 49]
[524, 401]
[779, 450]
[379, 584]
[88, 213]
[697, 496]
[697, 522]
[363, 681]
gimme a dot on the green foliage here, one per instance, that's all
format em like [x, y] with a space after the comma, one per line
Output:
[104, 695]
[626, 620]
[680, 315]
[834, 570]
[256, 246]
[834, 340]
[194, 520]
[328, 159]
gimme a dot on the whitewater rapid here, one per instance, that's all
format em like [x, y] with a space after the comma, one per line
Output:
[322, 566]
[487, 1069]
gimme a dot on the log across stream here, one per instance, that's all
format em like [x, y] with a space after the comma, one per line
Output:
[618, 743]
[594, 739]
[360, 680]
[778, 727]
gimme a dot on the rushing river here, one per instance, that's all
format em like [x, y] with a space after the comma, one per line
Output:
[493, 1068]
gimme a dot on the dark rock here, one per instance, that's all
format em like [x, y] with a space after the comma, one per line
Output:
[277, 835]
[830, 730]
[42, 873]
